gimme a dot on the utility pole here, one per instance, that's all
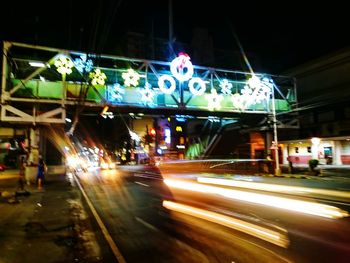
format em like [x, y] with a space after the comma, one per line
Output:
[275, 143]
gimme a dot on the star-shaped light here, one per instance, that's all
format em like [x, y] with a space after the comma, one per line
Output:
[131, 78]
[226, 87]
[147, 94]
[83, 64]
[97, 77]
[64, 65]
[214, 100]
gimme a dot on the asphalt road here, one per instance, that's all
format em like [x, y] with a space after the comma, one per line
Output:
[131, 204]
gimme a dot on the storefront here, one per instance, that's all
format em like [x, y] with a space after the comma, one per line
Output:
[332, 150]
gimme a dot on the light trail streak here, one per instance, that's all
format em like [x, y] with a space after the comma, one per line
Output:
[263, 233]
[305, 207]
[273, 187]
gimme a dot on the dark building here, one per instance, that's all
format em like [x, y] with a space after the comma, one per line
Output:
[324, 110]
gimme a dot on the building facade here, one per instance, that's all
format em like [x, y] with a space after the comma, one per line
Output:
[323, 111]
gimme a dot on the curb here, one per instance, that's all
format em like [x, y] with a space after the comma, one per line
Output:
[296, 176]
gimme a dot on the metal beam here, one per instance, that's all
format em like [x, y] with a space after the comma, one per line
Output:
[36, 72]
[7, 45]
[23, 117]
[49, 116]
[20, 116]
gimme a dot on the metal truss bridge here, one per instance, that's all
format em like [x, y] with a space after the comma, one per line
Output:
[42, 85]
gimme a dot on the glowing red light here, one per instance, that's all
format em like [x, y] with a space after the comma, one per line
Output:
[152, 132]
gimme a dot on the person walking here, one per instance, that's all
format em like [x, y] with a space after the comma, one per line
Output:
[41, 173]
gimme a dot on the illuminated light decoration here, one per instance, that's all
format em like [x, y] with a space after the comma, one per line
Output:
[178, 129]
[97, 77]
[37, 64]
[167, 133]
[147, 94]
[131, 78]
[105, 109]
[238, 101]
[272, 236]
[178, 66]
[306, 207]
[257, 90]
[225, 87]
[134, 136]
[180, 146]
[108, 114]
[83, 64]
[213, 119]
[64, 65]
[180, 119]
[116, 92]
[197, 82]
[163, 87]
[214, 100]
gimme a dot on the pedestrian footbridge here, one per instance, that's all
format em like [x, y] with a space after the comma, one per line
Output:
[43, 85]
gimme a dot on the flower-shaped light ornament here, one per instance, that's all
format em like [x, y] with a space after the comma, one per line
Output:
[214, 100]
[64, 65]
[97, 77]
[131, 78]
[225, 87]
[83, 64]
[238, 101]
[147, 94]
[116, 92]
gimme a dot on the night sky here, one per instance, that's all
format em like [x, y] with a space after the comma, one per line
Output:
[281, 34]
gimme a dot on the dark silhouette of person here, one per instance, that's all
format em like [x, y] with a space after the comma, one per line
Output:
[41, 173]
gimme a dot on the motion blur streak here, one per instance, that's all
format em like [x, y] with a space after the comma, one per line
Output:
[248, 228]
[272, 187]
[263, 199]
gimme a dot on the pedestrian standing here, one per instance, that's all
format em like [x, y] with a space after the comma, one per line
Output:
[41, 173]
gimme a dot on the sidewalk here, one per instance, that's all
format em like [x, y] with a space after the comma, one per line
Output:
[46, 226]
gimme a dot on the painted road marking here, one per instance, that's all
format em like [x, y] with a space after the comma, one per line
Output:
[105, 232]
[146, 185]
[148, 225]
